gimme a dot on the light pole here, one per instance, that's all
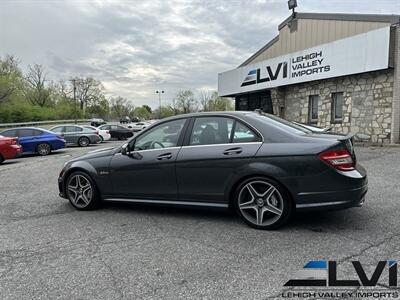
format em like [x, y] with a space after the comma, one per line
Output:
[74, 88]
[159, 92]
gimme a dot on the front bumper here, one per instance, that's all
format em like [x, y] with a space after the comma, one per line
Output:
[61, 188]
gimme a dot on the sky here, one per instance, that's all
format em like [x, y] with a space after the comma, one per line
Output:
[137, 47]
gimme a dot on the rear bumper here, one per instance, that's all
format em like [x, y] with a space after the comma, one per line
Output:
[12, 151]
[58, 144]
[334, 190]
[94, 139]
[332, 200]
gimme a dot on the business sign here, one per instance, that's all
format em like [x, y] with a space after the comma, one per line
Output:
[357, 54]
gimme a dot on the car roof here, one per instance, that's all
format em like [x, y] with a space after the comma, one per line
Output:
[33, 128]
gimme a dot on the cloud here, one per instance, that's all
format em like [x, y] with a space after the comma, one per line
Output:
[136, 47]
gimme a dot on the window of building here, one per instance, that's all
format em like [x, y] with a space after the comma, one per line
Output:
[337, 107]
[313, 109]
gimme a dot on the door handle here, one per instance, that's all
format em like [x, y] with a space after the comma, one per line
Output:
[164, 156]
[231, 151]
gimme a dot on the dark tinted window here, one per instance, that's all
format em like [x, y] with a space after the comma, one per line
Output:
[57, 129]
[211, 130]
[37, 132]
[10, 133]
[282, 123]
[25, 132]
[73, 129]
[244, 134]
[337, 106]
[313, 108]
[105, 127]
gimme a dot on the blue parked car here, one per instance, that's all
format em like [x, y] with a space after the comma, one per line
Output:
[36, 140]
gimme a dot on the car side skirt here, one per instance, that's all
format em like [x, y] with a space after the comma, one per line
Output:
[167, 202]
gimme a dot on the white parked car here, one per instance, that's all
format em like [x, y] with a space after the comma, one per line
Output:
[103, 134]
[137, 126]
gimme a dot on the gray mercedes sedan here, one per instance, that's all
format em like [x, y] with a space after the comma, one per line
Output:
[263, 167]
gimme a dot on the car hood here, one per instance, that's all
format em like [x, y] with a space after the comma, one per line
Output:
[97, 153]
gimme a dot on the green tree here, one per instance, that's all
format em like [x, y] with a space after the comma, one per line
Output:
[142, 112]
[186, 102]
[212, 102]
[11, 79]
[166, 111]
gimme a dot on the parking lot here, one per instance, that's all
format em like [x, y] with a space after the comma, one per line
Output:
[49, 250]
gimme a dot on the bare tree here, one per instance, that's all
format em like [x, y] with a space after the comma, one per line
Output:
[88, 91]
[204, 98]
[120, 107]
[37, 93]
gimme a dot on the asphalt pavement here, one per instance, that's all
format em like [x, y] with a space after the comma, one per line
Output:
[48, 250]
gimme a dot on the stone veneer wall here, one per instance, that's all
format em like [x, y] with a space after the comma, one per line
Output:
[367, 104]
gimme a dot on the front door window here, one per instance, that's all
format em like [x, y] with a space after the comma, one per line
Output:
[165, 135]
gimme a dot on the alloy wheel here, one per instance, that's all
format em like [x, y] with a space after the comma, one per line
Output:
[83, 141]
[260, 203]
[43, 149]
[80, 191]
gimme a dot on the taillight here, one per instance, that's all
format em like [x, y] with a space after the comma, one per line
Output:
[339, 159]
[11, 142]
[97, 133]
[60, 136]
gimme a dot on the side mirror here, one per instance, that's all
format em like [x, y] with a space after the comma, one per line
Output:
[126, 149]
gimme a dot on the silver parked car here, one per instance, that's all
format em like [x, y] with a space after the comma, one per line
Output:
[78, 135]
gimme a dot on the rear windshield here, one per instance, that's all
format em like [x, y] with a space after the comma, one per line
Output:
[284, 124]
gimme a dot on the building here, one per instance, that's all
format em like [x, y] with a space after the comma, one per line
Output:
[331, 70]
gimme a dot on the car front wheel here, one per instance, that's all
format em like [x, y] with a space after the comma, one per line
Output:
[81, 191]
[262, 203]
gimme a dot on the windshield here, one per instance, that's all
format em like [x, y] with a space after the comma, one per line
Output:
[287, 125]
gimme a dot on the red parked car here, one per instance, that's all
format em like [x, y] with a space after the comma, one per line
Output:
[9, 148]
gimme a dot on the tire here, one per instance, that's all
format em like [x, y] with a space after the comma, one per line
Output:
[262, 203]
[43, 149]
[83, 141]
[1, 159]
[81, 191]
[101, 139]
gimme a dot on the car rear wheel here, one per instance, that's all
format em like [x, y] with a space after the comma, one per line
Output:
[83, 141]
[1, 159]
[81, 191]
[101, 139]
[43, 149]
[262, 203]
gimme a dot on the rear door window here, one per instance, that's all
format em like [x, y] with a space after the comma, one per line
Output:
[58, 129]
[25, 132]
[70, 129]
[211, 131]
[244, 134]
[37, 132]
[10, 133]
